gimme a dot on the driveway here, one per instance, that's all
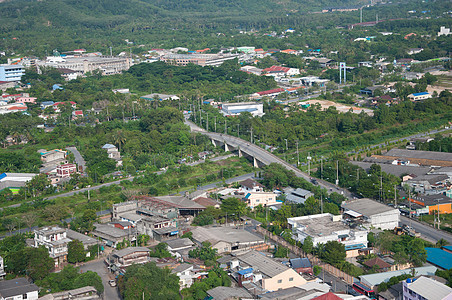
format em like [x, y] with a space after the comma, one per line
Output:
[98, 266]
[78, 158]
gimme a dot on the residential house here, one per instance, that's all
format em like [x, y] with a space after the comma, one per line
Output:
[254, 267]
[419, 96]
[425, 288]
[46, 104]
[123, 258]
[18, 289]
[228, 239]
[177, 246]
[323, 228]
[185, 273]
[250, 186]
[260, 198]
[66, 170]
[26, 99]
[301, 265]
[229, 293]
[269, 93]
[55, 240]
[86, 240]
[56, 155]
[83, 293]
[77, 114]
[434, 203]
[298, 195]
[113, 153]
[2, 268]
[112, 235]
[12, 108]
[378, 264]
[429, 184]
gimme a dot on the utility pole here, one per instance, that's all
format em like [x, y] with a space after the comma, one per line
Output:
[286, 145]
[337, 172]
[251, 137]
[207, 125]
[395, 196]
[361, 15]
[309, 163]
[321, 167]
[225, 128]
[111, 51]
[238, 130]
[298, 155]
[321, 204]
[381, 188]
[215, 124]
[409, 199]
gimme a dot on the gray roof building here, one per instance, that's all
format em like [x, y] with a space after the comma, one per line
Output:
[85, 239]
[228, 293]
[10, 289]
[178, 244]
[373, 213]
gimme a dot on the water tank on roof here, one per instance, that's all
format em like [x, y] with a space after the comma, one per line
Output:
[409, 280]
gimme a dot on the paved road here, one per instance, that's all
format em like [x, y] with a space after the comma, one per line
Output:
[110, 293]
[427, 232]
[78, 158]
[337, 285]
[264, 156]
[418, 135]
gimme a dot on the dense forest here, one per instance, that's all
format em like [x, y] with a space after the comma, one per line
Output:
[67, 25]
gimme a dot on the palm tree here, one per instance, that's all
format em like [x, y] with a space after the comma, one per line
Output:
[119, 138]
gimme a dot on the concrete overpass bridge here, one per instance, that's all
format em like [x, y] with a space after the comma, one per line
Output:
[258, 156]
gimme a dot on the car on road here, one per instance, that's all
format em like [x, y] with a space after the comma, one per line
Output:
[112, 283]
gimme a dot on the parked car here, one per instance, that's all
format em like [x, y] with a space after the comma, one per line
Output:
[112, 283]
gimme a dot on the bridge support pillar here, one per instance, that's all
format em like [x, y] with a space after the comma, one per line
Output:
[226, 148]
[255, 163]
[240, 153]
[214, 143]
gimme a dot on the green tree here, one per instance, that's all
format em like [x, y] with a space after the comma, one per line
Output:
[334, 252]
[148, 282]
[76, 252]
[34, 262]
[308, 245]
[416, 252]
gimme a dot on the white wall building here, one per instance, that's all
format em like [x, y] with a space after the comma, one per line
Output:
[55, 240]
[323, 228]
[18, 289]
[426, 289]
[235, 109]
[372, 214]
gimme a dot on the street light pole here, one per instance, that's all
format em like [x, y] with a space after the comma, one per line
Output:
[298, 155]
[238, 130]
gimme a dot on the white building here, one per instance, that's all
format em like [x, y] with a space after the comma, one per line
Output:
[185, 274]
[2, 268]
[55, 240]
[426, 289]
[235, 109]
[323, 228]
[419, 96]
[11, 72]
[108, 65]
[443, 31]
[372, 214]
[18, 289]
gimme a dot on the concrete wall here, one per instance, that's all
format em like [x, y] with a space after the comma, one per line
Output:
[386, 220]
[273, 284]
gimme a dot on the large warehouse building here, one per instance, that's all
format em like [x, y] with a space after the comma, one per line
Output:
[372, 214]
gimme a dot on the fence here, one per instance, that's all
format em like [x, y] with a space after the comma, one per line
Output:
[313, 259]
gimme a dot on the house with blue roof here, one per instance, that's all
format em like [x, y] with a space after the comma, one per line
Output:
[419, 96]
[440, 258]
[46, 104]
[301, 265]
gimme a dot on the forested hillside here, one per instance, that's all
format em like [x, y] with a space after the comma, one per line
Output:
[34, 27]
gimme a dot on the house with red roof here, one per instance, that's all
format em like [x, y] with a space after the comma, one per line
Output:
[285, 71]
[76, 114]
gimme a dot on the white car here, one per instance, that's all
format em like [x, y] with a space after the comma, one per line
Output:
[112, 283]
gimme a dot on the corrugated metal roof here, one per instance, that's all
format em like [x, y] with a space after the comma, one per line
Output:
[440, 258]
